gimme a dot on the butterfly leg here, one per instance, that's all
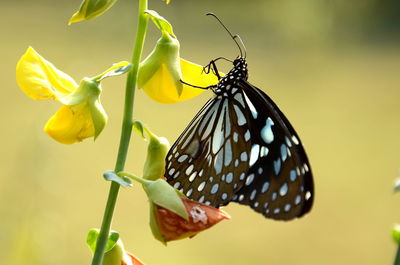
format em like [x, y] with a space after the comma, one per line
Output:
[205, 88]
[213, 67]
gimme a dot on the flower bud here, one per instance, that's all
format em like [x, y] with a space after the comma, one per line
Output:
[157, 150]
[115, 253]
[396, 233]
[90, 9]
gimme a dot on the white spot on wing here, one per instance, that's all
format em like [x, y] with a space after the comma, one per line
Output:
[192, 177]
[228, 153]
[295, 140]
[249, 179]
[240, 116]
[201, 186]
[182, 158]
[266, 132]
[264, 151]
[283, 189]
[251, 106]
[255, 150]
[214, 188]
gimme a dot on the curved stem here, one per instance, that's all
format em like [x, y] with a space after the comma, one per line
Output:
[397, 257]
[126, 132]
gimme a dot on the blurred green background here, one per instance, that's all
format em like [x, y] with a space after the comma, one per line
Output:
[332, 66]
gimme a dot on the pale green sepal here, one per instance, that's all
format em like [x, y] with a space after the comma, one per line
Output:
[117, 69]
[396, 187]
[99, 115]
[166, 52]
[396, 233]
[164, 195]
[153, 224]
[157, 150]
[93, 234]
[160, 22]
[90, 9]
[138, 127]
[87, 88]
[111, 176]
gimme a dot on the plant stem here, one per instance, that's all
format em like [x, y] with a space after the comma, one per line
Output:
[126, 132]
[397, 258]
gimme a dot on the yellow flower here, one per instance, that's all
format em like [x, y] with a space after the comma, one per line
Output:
[82, 114]
[160, 74]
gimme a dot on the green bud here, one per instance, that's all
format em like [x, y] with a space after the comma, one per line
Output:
[154, 166]
[396, 233]
[90, 9]
[115, 253]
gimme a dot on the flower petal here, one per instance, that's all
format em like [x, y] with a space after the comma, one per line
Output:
[40, 79]
[71, 124]
[161, 87]
[132, 259]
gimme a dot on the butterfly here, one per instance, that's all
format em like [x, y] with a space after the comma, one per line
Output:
[241, 148]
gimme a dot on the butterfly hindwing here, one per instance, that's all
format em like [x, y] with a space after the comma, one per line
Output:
[279, 180]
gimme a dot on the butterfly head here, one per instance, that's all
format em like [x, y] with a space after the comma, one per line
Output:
[239, 70]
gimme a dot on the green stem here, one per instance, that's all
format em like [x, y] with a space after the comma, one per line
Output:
[397, 258]
[126, 132]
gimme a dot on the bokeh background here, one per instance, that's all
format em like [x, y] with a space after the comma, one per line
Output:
[332, 66]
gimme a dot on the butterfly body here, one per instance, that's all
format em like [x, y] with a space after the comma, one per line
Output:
[241, 148]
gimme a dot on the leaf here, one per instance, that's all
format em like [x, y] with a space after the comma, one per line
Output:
[116, 69]
[93, 234]
[111, 176]
[164, 195]
[138, 127]
[160, 22]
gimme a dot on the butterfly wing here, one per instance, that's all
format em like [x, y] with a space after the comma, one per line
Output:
[209, 161]
[279, 181]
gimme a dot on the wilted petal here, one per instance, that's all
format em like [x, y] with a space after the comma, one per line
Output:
[130, 259]
[40, 79]
[201, 217]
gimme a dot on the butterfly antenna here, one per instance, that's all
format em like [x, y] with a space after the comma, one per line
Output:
[241, 42]
[233, 37]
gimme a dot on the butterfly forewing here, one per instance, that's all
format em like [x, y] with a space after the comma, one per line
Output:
[279, 180]
[209, 162]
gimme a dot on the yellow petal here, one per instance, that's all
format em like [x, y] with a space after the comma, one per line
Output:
[40, 79]
[71, 124]
[161, 87]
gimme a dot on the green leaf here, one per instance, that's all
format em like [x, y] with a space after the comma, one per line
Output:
[93, 234]
[138, 127]
[116, 69]
[160, 22]
[164, 195]
[111, 176]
